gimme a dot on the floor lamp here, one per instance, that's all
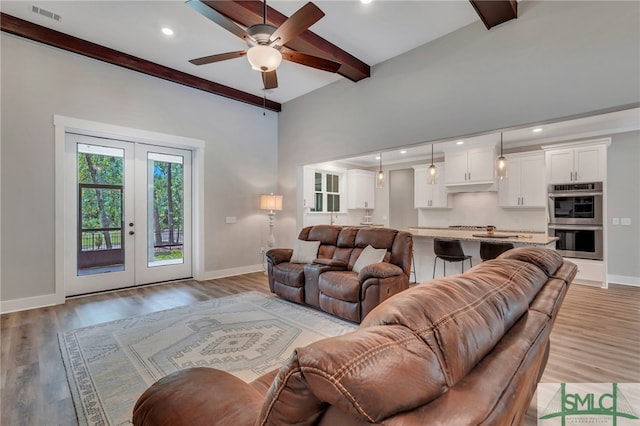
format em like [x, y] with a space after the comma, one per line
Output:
[272, 203]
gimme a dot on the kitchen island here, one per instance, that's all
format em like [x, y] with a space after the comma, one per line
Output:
[471, 237]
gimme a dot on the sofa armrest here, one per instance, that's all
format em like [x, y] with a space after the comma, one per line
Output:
[198, 396]
[334, 263]
[379, 270]
[279, 255]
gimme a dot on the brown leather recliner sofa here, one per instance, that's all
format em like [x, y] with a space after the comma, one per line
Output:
[462, 350]
[329, 282]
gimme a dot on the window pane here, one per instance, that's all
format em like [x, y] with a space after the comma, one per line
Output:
[333, 202]
[335, 183]
[329, 185]
[165, 210]
[319, 202]
[318, 182]
[100, 198]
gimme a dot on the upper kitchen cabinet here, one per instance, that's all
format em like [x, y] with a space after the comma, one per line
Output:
[474, 166]
[524, 185]
[360, 189]
[430, 196]
[582, 162]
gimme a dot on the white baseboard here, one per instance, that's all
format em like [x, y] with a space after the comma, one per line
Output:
[623, 279]
[15, 305]
[43, 301]
[211, 275]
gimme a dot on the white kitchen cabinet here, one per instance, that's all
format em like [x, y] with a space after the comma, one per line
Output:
[524, 185]
[576, 164]
[428, 196]
[470, 167]
[360, 189]
[308, 187]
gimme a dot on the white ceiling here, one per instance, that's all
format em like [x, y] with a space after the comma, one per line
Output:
[372, 33]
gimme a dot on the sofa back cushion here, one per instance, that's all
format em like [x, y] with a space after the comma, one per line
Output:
[372, 373]
[463, 317]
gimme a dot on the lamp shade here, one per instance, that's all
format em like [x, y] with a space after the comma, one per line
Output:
[270, 202]
[264, 58]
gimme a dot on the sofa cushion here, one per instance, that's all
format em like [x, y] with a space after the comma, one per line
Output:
[372, 373]
[341, 285]
[547, 260]
[304, 251]
[290, 274]
[368, 256]
[462, 317]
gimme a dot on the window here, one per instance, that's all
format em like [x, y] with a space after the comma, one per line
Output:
[327, 191]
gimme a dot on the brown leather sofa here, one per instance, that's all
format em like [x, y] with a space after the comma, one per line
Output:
[329, 282]
[461, 350]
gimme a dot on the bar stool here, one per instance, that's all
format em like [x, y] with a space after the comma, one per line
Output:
[449, 251]
[493, 250]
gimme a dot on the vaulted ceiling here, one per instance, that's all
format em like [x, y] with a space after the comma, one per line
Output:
[128, 34]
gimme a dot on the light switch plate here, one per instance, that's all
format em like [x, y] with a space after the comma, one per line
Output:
[230, 219]
[616, 221]
[625, 221]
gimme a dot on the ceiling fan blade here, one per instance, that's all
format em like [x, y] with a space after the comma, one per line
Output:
[270, 79]
[217, 58]
[304, 17]
[218, 18]
[310, 60]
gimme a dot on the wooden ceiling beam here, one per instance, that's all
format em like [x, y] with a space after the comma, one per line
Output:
[19, 27]
[247, 13]
[495, 12]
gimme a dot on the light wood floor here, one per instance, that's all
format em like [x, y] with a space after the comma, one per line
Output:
[595, 339]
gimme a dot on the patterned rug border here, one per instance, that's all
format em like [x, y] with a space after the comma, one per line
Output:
[89, 407]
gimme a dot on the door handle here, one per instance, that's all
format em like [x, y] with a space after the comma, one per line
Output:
[131, 232]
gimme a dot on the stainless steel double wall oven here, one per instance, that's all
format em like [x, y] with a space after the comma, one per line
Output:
[575, 217]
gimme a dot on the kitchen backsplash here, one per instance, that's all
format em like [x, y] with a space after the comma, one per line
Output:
[481, 208]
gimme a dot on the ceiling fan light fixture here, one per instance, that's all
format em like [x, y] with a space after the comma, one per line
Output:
[264, 58]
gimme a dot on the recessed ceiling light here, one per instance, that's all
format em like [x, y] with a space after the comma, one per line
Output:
[537, 130]
[167, 31]
[404, 151]
[377, 157]
[365, 1]
[459, 142]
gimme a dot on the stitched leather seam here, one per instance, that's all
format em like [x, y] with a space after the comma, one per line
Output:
[277, 395]
[342, 389]
[474, 304]
[347, 368]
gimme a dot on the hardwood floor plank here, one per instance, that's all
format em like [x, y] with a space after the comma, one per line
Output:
[595, 339]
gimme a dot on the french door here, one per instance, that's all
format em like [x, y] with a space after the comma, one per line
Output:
[131, 214]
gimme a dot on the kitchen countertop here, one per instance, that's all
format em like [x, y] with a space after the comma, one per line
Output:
[502, 236]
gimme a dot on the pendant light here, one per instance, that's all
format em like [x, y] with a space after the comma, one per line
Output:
[380, 177]
[432, 172]
[501, 171]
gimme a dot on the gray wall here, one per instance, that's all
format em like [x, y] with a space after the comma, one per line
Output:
[623, 200]
[39, 81]
[557, 60]
[402, 214]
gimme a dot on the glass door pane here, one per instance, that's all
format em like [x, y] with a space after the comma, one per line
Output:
[100, 180]
[165, 209]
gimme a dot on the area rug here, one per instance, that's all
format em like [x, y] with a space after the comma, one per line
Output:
[109, 365]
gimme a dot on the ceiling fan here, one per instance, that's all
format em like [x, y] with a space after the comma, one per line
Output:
[266, 42]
